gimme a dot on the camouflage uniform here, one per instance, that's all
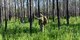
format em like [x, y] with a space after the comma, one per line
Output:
[42, 22]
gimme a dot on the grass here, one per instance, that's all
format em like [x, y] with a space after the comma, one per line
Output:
[20, 31]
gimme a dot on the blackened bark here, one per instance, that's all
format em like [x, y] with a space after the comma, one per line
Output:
[67, 14]
[38, 9]
[47, 13]
[53, 9]
[58, 15]
[41, 25]
[30, 18]
[5, 16]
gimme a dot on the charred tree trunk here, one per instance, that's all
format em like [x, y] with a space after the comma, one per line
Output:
[67, 14]
[53, 9]
[41, 25]
[30, 18]
[5, 16]
[38, 9]
[58, 15]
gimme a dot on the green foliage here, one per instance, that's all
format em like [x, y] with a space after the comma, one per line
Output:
[20, 31]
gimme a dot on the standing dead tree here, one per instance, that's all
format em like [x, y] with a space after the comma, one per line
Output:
[58, 15]
[5, 15]
[39, 15]
[53, 8]
[67, 14]
[30, 17]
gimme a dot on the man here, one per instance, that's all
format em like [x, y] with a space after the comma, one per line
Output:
[42, 21]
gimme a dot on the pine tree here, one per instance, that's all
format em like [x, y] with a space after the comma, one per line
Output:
[30, 18]
[58, 15]
[53, 8]
[67, 14]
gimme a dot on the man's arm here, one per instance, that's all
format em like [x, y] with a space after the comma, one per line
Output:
[37, 17]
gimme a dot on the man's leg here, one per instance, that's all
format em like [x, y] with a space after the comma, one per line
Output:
[41, 27]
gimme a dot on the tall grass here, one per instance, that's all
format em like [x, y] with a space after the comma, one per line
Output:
[20, 31]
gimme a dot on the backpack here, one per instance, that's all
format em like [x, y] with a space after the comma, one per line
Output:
[45, 20]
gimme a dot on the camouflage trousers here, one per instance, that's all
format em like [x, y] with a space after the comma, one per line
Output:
[41, 27]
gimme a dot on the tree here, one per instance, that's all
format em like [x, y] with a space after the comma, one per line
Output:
[30, 18]
[58, 15]
[5, 15]
[47, 8]
[41, 27]
[67, 14]
[53, 8]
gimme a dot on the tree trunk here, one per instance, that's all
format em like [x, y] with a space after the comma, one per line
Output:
[58, 15]
[30, 18]
[5, 15]
[67, 14]
[53, 9]
[41, 26]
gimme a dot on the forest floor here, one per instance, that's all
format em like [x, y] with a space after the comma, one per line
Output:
[20, 31]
